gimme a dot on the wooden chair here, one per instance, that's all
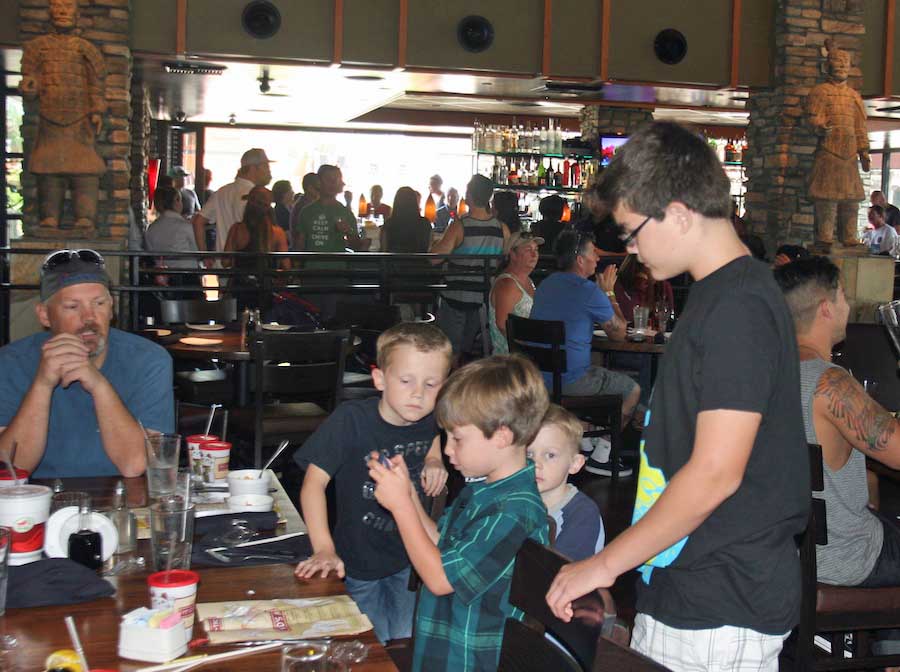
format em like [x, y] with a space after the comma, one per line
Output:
[305, 370]
[543, 341]
[833, 611]
[582, 645]
[198, 311]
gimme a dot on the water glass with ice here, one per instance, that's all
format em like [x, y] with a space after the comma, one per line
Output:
[162, 464]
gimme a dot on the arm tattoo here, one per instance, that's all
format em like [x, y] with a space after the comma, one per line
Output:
[859, 417]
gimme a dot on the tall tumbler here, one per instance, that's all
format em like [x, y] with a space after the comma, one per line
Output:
[162, 464]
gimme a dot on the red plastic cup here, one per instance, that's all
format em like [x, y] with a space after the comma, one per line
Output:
[24, 509]
[194, 441]
[175, 589]
[214, 458]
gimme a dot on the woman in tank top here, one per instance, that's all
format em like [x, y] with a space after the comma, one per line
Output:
[513, 291]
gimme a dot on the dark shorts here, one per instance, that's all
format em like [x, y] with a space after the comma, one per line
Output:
[886, 571]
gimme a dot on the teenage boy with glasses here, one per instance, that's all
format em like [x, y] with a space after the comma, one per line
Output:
[71, 397]
[724, 476]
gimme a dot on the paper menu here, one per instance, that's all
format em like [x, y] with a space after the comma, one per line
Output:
[253, 620]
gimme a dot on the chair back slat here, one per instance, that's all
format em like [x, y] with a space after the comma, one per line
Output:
[178, 311]
[818, 515]
[315, 371]
[543, 342]
[536, 567]
[525, 649]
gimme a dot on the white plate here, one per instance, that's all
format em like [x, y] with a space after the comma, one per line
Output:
[206, 327]
[599, 332]
[194, 340]
[65, 521]
[274, 326]
[160, 332]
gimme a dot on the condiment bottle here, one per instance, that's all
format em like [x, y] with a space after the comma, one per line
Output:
[85, 545]
[123, 519]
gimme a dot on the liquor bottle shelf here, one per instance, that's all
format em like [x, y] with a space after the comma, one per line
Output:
[535, 189]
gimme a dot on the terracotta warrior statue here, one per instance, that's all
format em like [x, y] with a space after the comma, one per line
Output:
[66, 74]
[836, 113]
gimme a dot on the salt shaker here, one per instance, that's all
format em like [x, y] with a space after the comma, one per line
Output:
[123, 519]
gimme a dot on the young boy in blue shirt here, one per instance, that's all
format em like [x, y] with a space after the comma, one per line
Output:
[556, 452]
[491, 410]
[366, 550]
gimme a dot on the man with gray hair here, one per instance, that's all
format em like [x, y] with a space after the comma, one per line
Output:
[72, 398]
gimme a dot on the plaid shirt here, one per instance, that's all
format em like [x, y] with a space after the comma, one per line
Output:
[480, 536]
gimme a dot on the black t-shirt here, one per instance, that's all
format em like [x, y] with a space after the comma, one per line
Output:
[892, 215]
[733, 348]
[365, 535]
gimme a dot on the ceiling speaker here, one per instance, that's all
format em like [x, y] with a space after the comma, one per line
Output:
[475, 34]
[670, 46]
[261, 19]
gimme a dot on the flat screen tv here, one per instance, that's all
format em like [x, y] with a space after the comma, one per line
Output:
[609, 145]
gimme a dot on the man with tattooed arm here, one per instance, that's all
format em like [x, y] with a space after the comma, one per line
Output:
[863, 547]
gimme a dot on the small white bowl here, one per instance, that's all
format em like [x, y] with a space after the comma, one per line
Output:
[242, 503]
[245, 482]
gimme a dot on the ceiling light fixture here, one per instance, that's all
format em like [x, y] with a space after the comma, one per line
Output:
[185, 68]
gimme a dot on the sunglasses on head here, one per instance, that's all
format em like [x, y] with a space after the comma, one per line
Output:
[61, 257]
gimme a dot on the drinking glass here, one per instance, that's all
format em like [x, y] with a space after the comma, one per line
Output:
[162, 464]
[305, 656]
[61, 500]
[641, 316]
[171, 533]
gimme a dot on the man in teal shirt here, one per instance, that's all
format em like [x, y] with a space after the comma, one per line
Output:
[327, 226]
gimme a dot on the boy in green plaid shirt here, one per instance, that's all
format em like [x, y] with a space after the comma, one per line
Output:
[491, 409]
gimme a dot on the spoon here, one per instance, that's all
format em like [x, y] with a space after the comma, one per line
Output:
[278, 451]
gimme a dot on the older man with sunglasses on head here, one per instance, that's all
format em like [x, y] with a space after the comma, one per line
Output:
[72, 397]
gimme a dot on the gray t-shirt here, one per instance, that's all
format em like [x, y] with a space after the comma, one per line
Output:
[172, 233]
[855, 535]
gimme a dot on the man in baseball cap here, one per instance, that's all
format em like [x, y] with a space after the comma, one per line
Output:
[72, 396]
[226, 206]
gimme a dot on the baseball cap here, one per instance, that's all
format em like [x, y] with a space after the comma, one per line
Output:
[254, 157]
[520, 238]
[179, 171]
[64, 268]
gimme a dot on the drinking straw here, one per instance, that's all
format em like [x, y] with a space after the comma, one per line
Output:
[76, 642]
[12, 461]
[212, 413]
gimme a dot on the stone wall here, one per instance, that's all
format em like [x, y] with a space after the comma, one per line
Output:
[597, 120]
[105, 23]
[781, 144]
[140, 150]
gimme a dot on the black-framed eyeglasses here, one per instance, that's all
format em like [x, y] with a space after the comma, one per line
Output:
[628, 239]
[60, 257]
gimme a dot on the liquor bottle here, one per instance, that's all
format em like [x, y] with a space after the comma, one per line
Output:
[513, 177]
[558, 176]
[363, 209]
[541, 175]
[85, 545]
[495, 171]
[575, 180]
[430, 209]
[544, 140]
[566, 174]
[557, 139]
[462, 208]
[477, 137]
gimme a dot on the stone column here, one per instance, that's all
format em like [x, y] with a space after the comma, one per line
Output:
[597, 120]
[781, 144]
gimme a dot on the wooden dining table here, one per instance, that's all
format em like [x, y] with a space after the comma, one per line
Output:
[41, 630]
[649, 348]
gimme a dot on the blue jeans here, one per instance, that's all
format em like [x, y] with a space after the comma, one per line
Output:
[387, 602]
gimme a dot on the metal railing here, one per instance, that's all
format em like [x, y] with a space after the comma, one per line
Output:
[382, 275]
